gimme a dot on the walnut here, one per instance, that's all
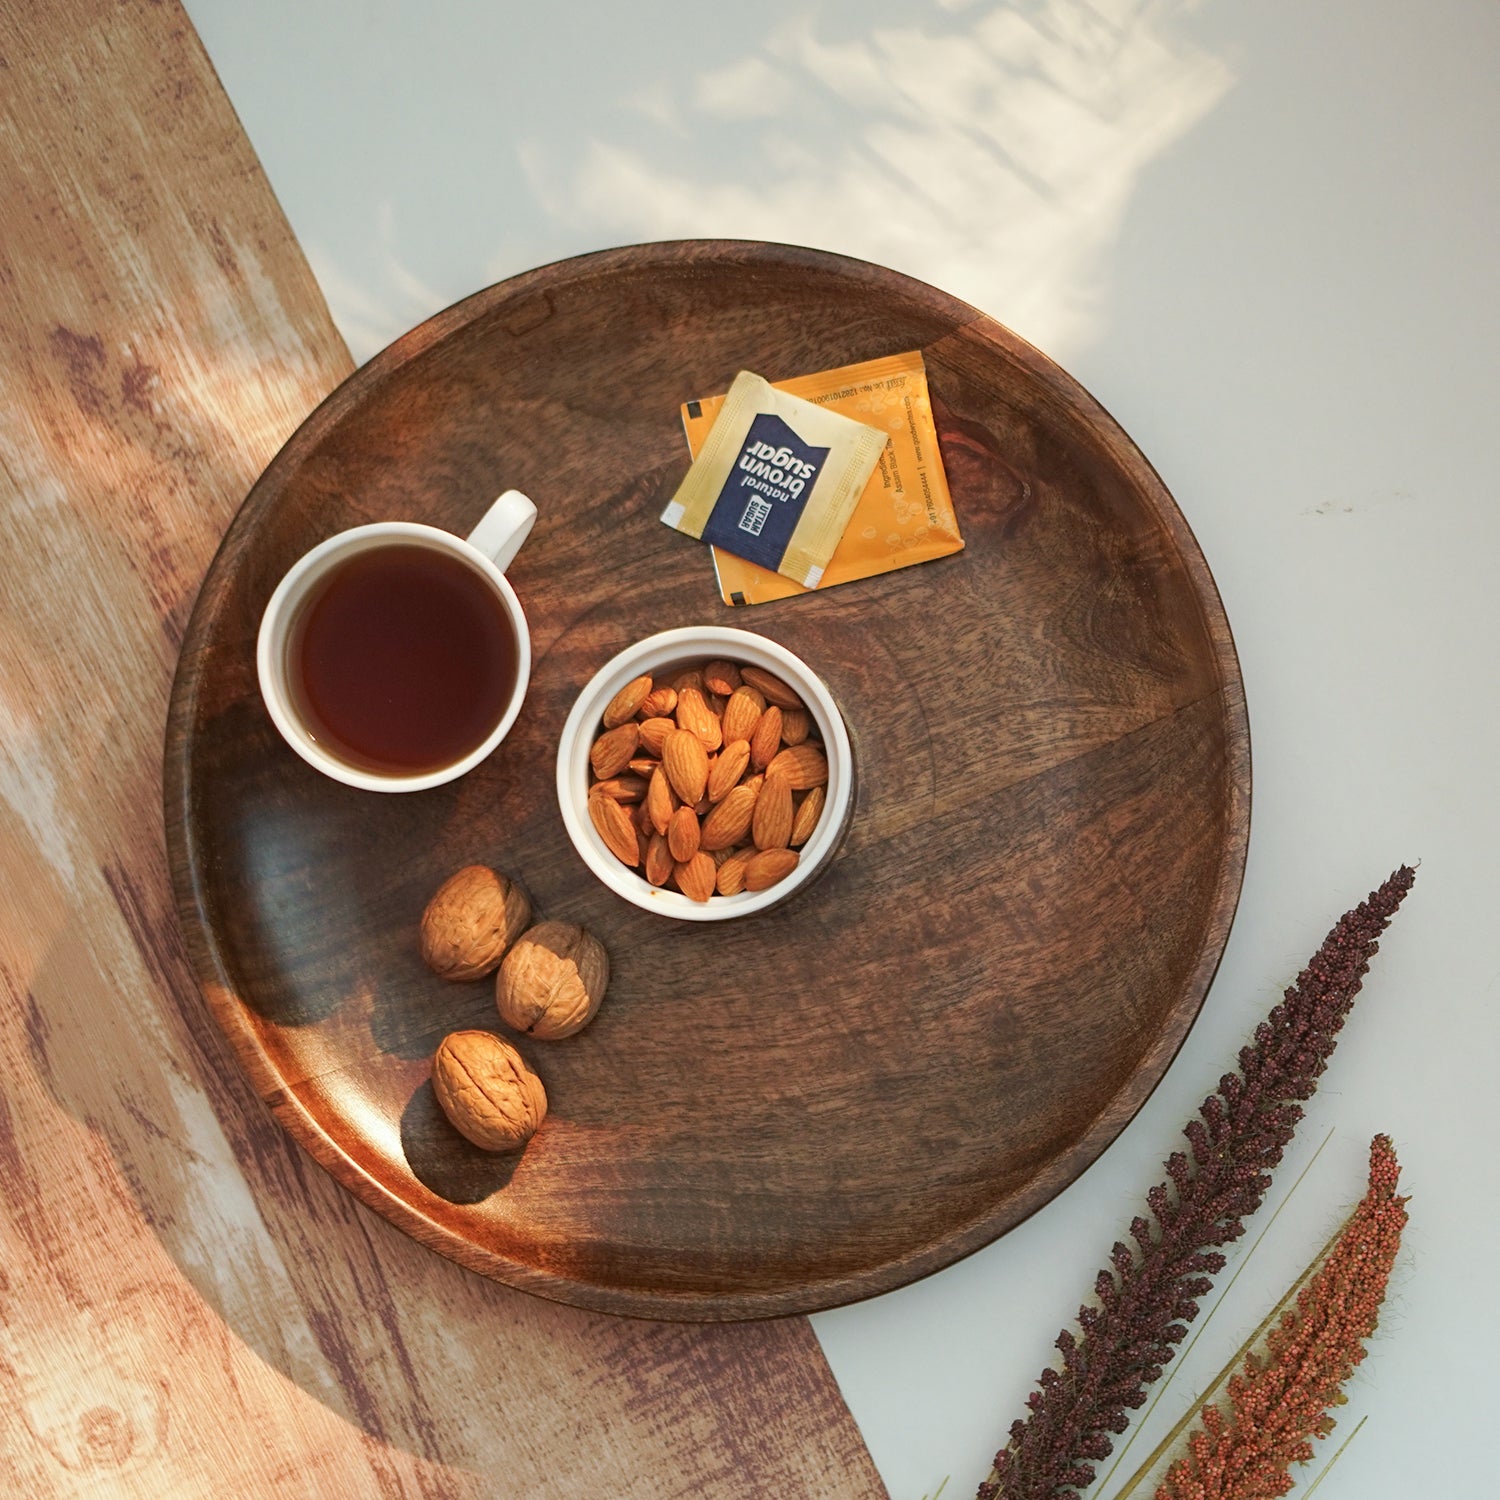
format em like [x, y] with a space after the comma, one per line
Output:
[475, 916]
[487, 1091]
[552, 981]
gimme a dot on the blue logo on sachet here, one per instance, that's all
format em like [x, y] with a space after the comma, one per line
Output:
[762, 500]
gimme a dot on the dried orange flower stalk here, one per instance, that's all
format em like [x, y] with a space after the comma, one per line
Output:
[1281, 1400]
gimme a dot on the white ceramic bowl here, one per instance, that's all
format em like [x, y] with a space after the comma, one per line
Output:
[661, 655]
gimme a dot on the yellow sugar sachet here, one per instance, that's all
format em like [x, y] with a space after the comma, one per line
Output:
[904, 514]
[776, 479]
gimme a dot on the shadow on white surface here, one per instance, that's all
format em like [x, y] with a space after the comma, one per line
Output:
[989, 149]
[990, 152]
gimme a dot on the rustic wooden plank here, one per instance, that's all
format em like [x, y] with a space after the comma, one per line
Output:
[187, 1304]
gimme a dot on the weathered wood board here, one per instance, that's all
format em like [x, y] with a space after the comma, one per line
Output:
[188, 1305]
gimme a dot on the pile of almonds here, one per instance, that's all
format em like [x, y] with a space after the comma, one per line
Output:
[711, 781]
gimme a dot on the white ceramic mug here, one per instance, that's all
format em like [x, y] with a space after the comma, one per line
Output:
[487, 551]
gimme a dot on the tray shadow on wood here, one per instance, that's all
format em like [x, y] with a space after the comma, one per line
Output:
[442, 1160]
[111, 1079]
[286, 1299]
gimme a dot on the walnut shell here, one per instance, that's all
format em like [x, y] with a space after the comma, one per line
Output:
[487, 1091]
[552, 981]
[475, 916]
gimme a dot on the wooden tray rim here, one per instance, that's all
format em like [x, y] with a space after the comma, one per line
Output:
[217, 986]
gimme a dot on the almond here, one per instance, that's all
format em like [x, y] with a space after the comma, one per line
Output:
[766, 740]
[626, 704]
[694, 715]
[808, 813]
[621, 788]
[615, 828]
[613, 750]
[774, 688]
[771, 823]
[683, 834]
[731, 879]
[685, 761]
[803, 765]
[660, 703]
[709, 781]
[721, 677]
[741, 714]
[727, 769]
[660, 803]
[658, 860]
[769, 866]
[654, 733]
[695, 877]
[729, 822]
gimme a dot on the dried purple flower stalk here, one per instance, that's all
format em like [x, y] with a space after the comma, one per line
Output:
[1149, 1294]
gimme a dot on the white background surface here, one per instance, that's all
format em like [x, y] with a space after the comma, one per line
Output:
[1264, 236]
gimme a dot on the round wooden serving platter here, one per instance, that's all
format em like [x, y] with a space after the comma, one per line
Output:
[851, 1091]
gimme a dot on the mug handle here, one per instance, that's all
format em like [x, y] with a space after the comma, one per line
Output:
[503, 527]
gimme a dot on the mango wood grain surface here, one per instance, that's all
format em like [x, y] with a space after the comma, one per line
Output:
[187, 1306]
[857, 1088]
